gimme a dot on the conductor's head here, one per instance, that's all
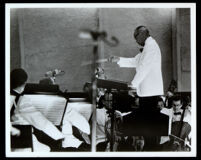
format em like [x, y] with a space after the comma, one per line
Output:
[141, 33]
[18, 78]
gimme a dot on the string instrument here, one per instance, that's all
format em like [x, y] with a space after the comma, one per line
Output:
[180, 131]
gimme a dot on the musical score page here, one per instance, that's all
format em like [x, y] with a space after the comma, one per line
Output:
[81, 106]
[51, 106]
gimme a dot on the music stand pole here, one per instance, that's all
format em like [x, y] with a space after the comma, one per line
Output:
[94, 91]
[96, 36]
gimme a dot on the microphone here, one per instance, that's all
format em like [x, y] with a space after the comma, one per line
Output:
[54, 73]
[90, 34]
[98, 35]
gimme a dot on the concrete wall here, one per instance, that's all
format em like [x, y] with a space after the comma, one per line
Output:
[15, 58]
[122, 22]
[49, 40]
[183, 50]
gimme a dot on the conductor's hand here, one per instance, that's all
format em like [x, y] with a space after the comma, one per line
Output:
[130, 86]
[113, 59]
[132, 91]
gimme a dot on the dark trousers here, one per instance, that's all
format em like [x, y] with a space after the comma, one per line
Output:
[148, 105]
[142, 122]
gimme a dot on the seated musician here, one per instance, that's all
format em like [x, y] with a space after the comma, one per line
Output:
[160, 103]
[102, 112]
[102, 117]
[180, 118]
[104, 122]
[27, 114]
[18, 114]
[100, 74]
[170, 93]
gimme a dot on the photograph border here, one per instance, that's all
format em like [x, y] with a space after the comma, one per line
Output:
[192, 7]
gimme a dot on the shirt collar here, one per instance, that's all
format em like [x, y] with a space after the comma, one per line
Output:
[148, 40]
[180, 110]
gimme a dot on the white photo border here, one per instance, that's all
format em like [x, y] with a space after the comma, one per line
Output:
[192, 7]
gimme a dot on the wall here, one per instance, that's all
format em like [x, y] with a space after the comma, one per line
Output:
[15, 58]
[183, 50]
[49, 40]
[122, 22]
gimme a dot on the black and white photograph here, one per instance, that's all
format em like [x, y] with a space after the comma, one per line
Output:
[100, 80]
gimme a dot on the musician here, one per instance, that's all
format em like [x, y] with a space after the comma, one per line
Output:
[18, 115]
[177, 113]
[170, 93]
[177, 109]
[27, 114]
[102, 117]
[148, 80]
[160, 103]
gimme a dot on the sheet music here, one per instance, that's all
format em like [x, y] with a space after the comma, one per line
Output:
[80, 105]
[51, 106]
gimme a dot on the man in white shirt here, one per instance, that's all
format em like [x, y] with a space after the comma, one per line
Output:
[148, 81]
[175, 113]
[178, 113]
[27, 114]
[18, 81]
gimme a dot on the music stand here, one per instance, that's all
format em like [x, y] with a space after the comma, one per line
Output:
[96, 36]
[112, 87]
[47, 89]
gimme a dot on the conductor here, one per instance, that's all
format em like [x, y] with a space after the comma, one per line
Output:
[148, 81]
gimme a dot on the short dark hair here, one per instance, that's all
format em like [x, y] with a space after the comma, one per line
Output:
[142, 29]
[18, 77]
[177, 98]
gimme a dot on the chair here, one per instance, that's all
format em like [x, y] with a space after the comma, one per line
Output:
[24, 140]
